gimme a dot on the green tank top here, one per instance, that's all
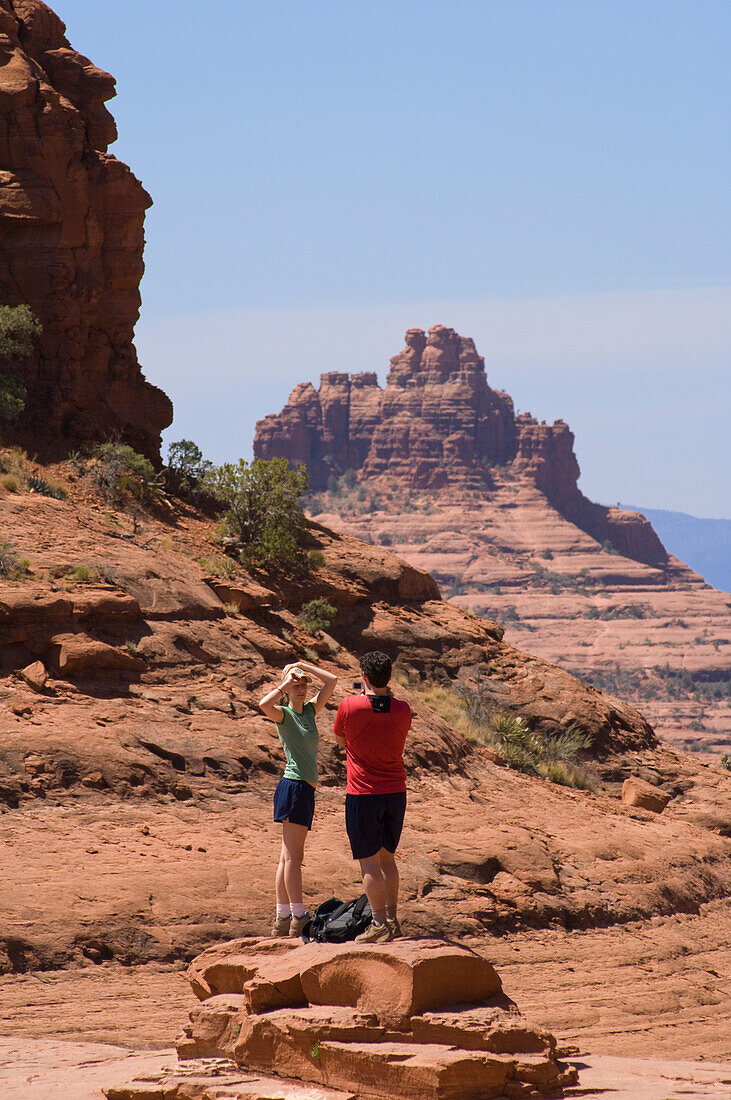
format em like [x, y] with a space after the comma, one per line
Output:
[299, 737]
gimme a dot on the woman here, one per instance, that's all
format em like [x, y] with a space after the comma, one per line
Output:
[294, 798]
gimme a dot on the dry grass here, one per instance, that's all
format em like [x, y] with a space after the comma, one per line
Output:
[449, 706]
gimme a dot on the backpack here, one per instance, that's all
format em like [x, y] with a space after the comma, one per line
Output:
[337, 921]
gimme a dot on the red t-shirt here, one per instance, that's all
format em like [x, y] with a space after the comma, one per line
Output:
[374, 744]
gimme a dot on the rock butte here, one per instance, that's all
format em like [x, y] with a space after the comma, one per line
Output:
[437, 466]
[71, 240]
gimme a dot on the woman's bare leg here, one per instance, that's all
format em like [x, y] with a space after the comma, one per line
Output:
[293, 851]
[280, 888]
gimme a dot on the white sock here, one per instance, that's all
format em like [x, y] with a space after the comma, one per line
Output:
[297, 908]
[282, 910]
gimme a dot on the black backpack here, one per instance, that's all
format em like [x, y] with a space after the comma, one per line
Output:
[337, 921]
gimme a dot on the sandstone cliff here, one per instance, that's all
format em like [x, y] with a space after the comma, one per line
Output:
[71, 240]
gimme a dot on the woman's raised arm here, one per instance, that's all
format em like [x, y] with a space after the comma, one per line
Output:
[329, 680]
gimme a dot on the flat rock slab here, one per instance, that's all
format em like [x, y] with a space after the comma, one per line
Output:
[483, 1028]
[287, 1042]
[406, 1071]
[216, 1079]
[227, 967]
[36, 1069]
[608, 1078]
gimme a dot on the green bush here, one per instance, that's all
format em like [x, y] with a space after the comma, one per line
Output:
[119, 472]
[187, 468]
[316, 559]
[316, 615]
[19, 329]
[261, 508]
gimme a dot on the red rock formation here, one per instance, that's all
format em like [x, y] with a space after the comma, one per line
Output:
[411, 1019]
[546, 455]
[71, 230]
[438, 424]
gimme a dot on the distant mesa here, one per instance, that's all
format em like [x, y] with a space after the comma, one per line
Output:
[438, 425]
[71, 231]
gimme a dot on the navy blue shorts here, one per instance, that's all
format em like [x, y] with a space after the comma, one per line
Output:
[374, 821]
[294, 799]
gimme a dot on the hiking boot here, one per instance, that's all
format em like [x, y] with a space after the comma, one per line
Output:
[393, 924]
[281, 926]
[297, 924]
[375, 933]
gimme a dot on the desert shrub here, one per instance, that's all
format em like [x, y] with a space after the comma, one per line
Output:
[726, 762]
[384, 538]
[262, 514]
[12, 567]
[231, 609]
[46, 488]
[470, 709]
[551, 756]
[19, 329]
[118, 472]
[316, 615]
[316, 559]
[10, 483]
[310, 654]
[547, 555]
[218, 567]
[187, 468]
[82, 574]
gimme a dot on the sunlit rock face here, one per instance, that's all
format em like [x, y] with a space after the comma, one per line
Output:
[71, 237]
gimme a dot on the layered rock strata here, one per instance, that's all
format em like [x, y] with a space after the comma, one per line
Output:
[437, 466]
[71, 241]
[411, 1019]
[438, 425]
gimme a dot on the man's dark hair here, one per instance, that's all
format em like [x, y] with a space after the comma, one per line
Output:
[376, 667]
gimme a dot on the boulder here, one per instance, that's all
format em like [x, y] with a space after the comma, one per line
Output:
[80, 655]
[35, 675]
[638, 792]
[400, 979]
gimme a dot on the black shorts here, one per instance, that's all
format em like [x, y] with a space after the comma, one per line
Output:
[294, 800]
[374, 821]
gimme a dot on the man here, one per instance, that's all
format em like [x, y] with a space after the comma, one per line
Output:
[372, 728]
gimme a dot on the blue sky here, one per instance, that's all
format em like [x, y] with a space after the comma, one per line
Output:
[549, 178]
